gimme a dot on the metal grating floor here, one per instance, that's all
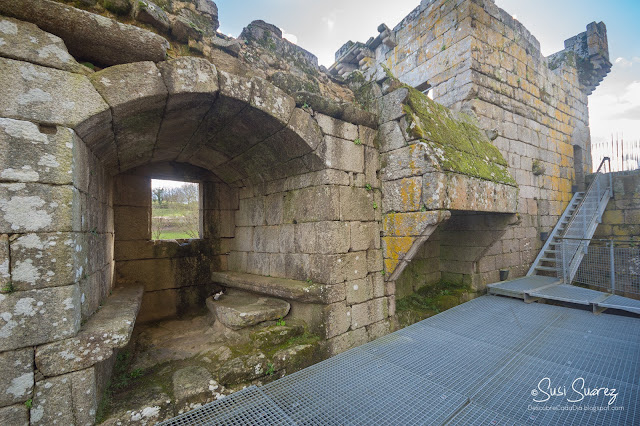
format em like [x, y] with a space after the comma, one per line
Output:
[477, 363]
[570, 294]
[622, 303]
[519, 286]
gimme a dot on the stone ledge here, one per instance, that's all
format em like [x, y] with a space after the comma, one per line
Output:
[300, 291]
[107, 329]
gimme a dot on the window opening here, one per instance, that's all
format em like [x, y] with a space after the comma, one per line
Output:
[175, 207]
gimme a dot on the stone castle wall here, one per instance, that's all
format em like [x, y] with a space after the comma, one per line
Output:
[473, 56]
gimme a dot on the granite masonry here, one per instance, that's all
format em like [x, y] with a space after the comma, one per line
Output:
[438, 150]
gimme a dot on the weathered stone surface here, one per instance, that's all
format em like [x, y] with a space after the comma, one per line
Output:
[48, 158]
[332, 237]
[312, 204]
[107, 329]
[44, 48]
[29, 318]
[119, 7]
[45, 260]
[336, 319]
[5, 260]
[357, 204]
[191, 384]
[150, 13]
[55, 396]
[411, 224]
[14, 415]
[412, 160]
[369, 312]
[242, 369]
[275, 335]
[365, 235]
[16, 381]
[342, 154]
[293, 358]
[338, 128]
[404, 195]
[137, 95]
[238, 309]
[46, 95]
[34, 207]
[93, 37]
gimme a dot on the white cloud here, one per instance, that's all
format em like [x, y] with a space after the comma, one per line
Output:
[291, 37]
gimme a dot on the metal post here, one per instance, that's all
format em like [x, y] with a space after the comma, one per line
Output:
[612, 267]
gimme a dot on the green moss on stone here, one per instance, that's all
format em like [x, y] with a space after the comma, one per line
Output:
[460, 145]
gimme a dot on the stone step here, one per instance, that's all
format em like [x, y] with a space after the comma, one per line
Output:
[238, 309]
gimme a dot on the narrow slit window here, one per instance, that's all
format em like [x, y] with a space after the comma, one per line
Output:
[175, 210]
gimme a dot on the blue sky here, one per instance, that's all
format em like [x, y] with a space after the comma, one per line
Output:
[323, 26]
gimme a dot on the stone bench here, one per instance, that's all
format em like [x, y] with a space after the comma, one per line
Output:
[300, 291]
[108, 329]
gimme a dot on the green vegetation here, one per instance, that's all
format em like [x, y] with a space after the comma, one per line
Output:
[375, 205]
[121, 378]
[368, 187]
[8, 288]
[175, 212]
[28, 403]
[270, 369]
[428, 301]
[357, 141]
[281, 322]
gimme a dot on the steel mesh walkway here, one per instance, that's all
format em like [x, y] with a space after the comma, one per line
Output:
[477, 363]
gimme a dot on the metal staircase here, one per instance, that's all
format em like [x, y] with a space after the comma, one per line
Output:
[569, 241]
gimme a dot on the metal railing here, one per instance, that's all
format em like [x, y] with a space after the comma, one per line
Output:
[609, 265]
[583, 223]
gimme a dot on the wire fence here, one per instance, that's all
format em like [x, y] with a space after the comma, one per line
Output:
[583, 222]
[607, 265]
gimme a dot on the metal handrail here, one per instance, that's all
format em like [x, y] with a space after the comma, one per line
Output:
[583, 222]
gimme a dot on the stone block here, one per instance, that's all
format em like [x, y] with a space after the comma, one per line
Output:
[30, 318]
[5, 277]
[286, 238]
[326, 269]
[243, 240]
[46, 260]
[273, 209]
[44, 49]
[390, 137]
[412, 160]
[378, 329]
[27, 155]
[391, 106]
[374, 260]
[258, 263]
[342, 154]
[359, 291]
[371, 167]
[411, 224]
[338, 128]
[266, 239]
[354, 265]
[356, 204]
[34, 207]
[403, 195]
[369, 312]
[365, 235]
[191, 385]
[47, 95]
[158, 305]
[14, 415]
[367, 136]
[312, 204]
[305, 238]
[16, 382]
[337, 319]
[346, 341]
[238, 309]
[109, 328]
[132, 190]
[54, 397]
[132, 223]
[332, 237]
[251, 212]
